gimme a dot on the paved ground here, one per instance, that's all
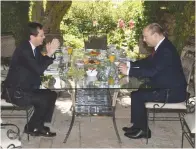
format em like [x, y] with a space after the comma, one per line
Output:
[98, 132]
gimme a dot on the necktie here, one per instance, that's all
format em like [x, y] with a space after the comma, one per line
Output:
[35, 52]
[153, 52]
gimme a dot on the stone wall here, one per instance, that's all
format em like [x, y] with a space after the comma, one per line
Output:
[7, 45]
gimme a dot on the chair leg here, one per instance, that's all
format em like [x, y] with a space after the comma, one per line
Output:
[182, 143]
[27, 117]
[153, 114]
[183, 132]
[181, 120]
[147, 127]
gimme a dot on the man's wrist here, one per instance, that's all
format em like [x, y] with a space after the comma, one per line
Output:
[49, 54]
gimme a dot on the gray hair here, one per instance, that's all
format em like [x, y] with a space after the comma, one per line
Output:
[156, 28]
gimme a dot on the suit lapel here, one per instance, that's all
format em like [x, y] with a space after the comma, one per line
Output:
[32, 52]
[30, 49]
[160, 46]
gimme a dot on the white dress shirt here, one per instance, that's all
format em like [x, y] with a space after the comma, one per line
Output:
[155, 48]
[33, 47]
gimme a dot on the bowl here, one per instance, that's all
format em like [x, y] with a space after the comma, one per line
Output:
[91, 79]
[91, 73]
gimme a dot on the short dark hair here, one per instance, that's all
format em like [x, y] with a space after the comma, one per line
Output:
[33, 28]
[156, 28]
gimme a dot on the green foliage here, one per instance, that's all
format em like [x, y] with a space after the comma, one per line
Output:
[185, 24]
[82, 15]
[73, 41]
[127, 37]
[184, 16]
[103, 16]
[14, 18]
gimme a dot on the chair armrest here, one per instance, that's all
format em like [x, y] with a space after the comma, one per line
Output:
[165, 101]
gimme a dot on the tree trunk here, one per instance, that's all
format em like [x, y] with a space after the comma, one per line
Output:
[53, 15]
[55, 10]
[51, 18]
[37, 11]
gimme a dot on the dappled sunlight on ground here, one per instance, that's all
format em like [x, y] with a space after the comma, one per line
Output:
[64, 105]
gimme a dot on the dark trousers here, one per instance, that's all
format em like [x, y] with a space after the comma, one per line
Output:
[138, 99]
[43, 101]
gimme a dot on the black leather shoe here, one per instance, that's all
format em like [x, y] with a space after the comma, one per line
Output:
[46, 128]
[30, 129]
[138, 134]
[130, 129]
[43, 133]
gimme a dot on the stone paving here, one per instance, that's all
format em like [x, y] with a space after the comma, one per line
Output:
[98, 132]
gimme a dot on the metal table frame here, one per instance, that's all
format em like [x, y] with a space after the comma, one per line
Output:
[113, 108]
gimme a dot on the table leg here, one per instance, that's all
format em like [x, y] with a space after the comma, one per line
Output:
[71, 125]
[115, 126]
[73, 114]
[114, 98]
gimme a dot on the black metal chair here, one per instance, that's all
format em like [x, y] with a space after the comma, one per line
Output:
[10, 136]
[95, 41]
[188, 128]
[179, 108]
[8, 105]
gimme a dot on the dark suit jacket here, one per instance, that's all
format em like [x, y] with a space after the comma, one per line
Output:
[164, 69]
[25, 70]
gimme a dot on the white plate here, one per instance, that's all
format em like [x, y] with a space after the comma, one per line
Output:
[91, 73]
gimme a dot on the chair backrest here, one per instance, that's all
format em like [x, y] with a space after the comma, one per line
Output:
[96, 42]
[188, 61]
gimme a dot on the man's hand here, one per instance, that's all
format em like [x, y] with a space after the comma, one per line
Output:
[123, 68]
[124, 80]
[51, 47]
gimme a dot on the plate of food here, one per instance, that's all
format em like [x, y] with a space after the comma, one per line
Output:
[96, 62]
[94, 53]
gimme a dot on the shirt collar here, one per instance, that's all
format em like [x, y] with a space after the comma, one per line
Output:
[32, 46]
[155, 48]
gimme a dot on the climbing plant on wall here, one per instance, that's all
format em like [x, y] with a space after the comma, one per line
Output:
[14, 18]
[177, 17]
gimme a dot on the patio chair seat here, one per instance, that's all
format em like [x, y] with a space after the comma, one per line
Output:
[180, 105]
[190, 120]
[6, 104]
[10, 106]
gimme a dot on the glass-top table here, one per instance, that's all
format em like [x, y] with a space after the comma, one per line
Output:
[91, 95]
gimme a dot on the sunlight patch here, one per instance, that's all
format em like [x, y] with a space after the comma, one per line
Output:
[64, 105]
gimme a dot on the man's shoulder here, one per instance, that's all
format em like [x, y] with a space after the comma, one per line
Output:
[24, 44]
[168, 45]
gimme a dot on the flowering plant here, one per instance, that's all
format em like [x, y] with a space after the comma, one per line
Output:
[123, 36]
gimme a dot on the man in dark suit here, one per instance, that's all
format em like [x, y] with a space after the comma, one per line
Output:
[23, 80]
[164, 70]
